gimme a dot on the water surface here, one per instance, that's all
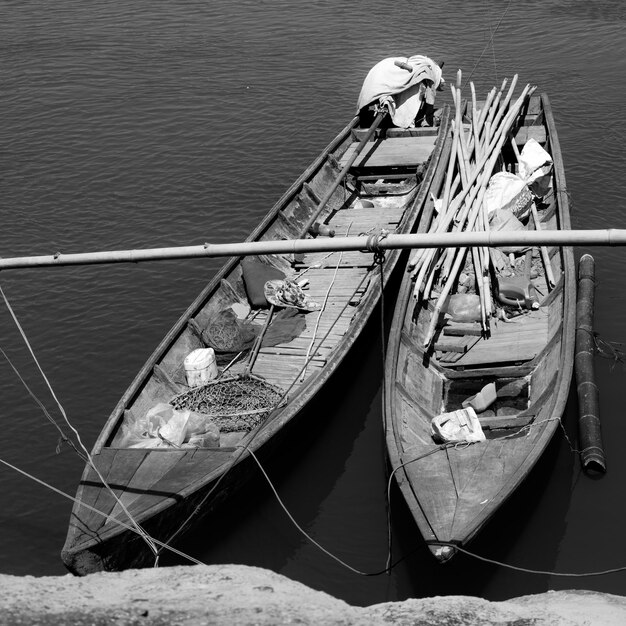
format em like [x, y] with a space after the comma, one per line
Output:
[152, 124]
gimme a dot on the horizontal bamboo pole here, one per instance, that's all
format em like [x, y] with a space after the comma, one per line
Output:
[493, 239]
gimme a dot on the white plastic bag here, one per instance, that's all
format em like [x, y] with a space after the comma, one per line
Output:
[535, 166]
[508, 191]
[463, 307]
[165, 427]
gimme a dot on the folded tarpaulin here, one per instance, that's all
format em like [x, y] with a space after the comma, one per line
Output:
[401, 90]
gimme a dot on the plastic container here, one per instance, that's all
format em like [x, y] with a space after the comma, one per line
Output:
[200, 367]
[321, 229]
[517, 291]
[463, 307]
[457, 426]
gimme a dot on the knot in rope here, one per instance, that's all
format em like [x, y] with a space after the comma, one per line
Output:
[373, 245]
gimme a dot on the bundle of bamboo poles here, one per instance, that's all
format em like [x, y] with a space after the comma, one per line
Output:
[476, 148]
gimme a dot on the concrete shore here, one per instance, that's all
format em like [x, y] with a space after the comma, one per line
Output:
[238, 594]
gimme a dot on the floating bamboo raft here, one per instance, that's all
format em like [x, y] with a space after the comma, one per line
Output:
[364, 182]
[436, 364]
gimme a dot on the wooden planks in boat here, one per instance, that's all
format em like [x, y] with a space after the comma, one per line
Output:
[538, 133]
[361, 219]
[520, 339]
[394, 151]
[282, 364]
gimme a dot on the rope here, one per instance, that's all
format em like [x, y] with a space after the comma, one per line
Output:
[319, 315]
[493, 34]
[146, 537]
[527, 570]
[258, 430]
[379, 257]
[62, 436]
[105, 515]
[389, 566]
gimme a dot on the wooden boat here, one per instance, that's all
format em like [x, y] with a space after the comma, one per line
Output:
[453, 489]
[384, 178]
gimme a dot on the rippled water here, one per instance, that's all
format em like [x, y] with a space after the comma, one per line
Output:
[150, 124]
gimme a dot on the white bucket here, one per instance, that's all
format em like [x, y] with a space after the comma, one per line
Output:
[200, 366]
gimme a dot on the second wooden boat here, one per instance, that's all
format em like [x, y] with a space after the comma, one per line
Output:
[514, 374]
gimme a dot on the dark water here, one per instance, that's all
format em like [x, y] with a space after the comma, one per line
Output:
[149, 124]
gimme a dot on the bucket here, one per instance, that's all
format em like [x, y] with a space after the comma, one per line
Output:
[200, 366]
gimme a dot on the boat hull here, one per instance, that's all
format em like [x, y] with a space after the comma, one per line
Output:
[452, 491]
[168, 491]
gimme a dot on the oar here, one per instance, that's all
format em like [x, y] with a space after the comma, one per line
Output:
[320, 207]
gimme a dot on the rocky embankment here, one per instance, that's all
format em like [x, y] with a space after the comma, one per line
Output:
[237, 594]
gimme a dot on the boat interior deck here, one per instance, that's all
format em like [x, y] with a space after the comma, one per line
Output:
[514, 339]
[339, 280]
[519, 352]
[375, 198]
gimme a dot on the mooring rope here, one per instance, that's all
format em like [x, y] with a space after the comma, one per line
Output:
[390, 566]
[105, 515]
[528, 570]
[149, 540]
[493, 34]
[286, 392]
[63, 438]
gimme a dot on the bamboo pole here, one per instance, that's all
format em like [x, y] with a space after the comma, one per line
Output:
[423, 262]
[475, 128]
[491, 239]
[485, 165]
[505, 104]
[259, 340]
[426, 260]
[589, 428]
[545, 255]
[495, 147]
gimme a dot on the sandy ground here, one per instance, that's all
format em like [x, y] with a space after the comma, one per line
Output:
[237, 594]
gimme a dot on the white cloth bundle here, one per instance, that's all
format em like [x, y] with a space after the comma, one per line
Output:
[402, 91]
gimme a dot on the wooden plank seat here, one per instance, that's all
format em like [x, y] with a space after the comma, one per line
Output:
[517, 340]
[396, 152]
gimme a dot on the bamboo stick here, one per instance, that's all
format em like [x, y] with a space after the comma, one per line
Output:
[426, 260]
[545, 255]
[487, 161]
[486, 107]
[480, 287]
[492, 239]
[505, 104]
[495, 105]
[475, 129]
[494, 153]
[452, 262]
[259, 340]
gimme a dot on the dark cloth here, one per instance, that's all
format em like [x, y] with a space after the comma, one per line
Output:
[255, 275]
[228, 335]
